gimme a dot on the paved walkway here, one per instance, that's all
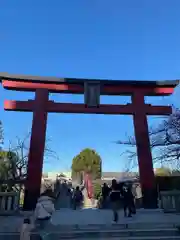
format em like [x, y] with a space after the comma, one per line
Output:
[68, 217]
[97, 216]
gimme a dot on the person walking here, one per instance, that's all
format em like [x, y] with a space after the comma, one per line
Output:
[115, 200]
[133, 191]
[128, 199]
[77, 198]
[105, 195]
[44, 209]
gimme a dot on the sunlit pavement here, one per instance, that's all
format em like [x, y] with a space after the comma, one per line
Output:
[97, 216]
[68, 217]
[67, 220]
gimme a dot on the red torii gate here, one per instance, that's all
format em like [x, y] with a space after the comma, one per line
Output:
[41, 105]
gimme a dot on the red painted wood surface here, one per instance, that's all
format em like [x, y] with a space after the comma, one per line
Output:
[129, 109]
[79, 89]
[145, 162]
[36, 150]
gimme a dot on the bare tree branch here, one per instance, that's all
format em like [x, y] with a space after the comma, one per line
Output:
[164, 139]
[18, 157]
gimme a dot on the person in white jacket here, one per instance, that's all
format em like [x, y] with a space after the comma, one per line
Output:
[44, 209]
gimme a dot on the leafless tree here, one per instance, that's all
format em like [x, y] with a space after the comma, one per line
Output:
[17, 160]
[164, 142]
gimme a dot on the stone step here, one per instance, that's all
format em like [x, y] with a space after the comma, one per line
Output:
[35, 237]
[100, 227]
[113, 233]
[81, 234]
[123, 238]
[97, 216]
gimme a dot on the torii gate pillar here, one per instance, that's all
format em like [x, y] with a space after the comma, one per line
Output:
[36, 150]
[144, 154]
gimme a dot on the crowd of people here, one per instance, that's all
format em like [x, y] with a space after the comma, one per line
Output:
[118, 194]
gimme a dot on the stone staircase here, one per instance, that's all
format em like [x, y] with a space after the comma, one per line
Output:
[114, 231]
[96, 224]
[105, 232]
[64, 199]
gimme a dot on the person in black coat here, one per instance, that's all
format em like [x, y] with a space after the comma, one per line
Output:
[105, 195]
[115, 199]
[128, 200]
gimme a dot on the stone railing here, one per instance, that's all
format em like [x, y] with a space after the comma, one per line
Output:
[9, 202]
[170, 201]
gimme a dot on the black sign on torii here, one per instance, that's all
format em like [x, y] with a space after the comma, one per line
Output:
[92, 92]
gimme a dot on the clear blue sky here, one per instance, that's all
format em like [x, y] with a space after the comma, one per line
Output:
[130, 40]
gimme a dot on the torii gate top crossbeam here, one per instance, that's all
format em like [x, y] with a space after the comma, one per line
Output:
[76, 86]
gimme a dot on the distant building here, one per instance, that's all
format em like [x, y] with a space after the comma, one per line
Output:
[53, 175]
[106, 176]
[109, 176]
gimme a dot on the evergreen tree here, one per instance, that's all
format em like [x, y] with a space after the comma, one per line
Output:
[87, 161]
